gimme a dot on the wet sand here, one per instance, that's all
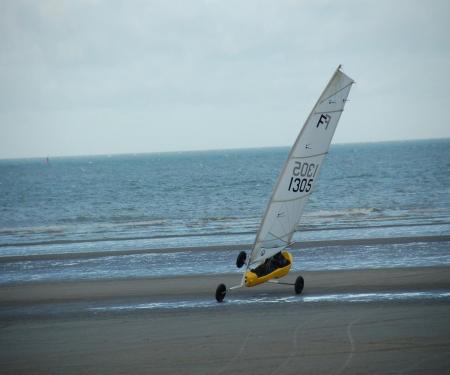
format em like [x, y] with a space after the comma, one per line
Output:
[197, 287]
[408, 336]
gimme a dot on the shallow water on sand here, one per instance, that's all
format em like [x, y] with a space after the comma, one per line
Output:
[265, 299]
[420, 254]
[54, 310]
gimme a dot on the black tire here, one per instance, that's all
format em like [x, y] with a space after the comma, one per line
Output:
[299, 284]
[240, 261]
[221, 291]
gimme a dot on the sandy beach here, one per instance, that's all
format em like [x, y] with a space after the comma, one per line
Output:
[331, 336]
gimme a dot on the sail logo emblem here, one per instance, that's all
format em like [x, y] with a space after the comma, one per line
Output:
[263, 252]
[325, 120]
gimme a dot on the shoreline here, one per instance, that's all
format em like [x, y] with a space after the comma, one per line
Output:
[298, 245]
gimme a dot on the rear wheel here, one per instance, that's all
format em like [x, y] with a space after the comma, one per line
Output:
[299, 284]
[240, 261]
[221, 291]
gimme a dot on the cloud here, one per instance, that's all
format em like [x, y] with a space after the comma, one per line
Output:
[210, 70]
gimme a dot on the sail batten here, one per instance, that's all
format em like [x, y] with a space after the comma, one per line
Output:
[343, 88]
[291, 199]
[301, 170]
[338, 110]
[309, 156]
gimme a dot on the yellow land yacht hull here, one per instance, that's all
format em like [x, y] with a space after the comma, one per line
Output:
[251, 279]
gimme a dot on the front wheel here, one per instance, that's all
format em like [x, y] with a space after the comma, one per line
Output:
[221, 291]
[240, 261]
[299, 284]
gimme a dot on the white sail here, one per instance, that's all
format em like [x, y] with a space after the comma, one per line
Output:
[301, 170]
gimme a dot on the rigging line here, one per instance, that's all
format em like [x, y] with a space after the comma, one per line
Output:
[343, 88]
[277, 238]
[266, 246]
[309, 156]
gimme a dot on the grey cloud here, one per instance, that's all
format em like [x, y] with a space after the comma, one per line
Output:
[151, 69]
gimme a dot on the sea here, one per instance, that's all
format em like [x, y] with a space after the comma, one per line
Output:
[169, 214]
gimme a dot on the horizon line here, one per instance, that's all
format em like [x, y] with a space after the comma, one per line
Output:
[207, 150]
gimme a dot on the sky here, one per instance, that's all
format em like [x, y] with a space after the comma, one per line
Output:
[104, 77]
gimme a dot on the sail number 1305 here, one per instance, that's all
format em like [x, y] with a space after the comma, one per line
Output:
[303, 177]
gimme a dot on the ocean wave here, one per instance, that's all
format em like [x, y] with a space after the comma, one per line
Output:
[362, 175]
[221, 219]
[32, 230]
[217, 237]
[120, 239]
[364, 211]
[146, 223]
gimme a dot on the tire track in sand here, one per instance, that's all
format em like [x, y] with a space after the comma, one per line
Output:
[294, 347]
[352, 347]
[236, 356]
